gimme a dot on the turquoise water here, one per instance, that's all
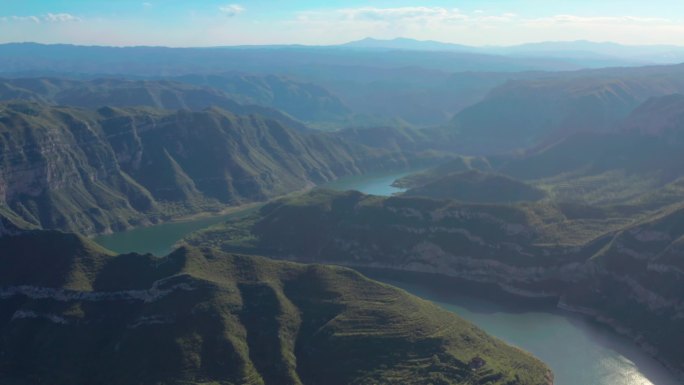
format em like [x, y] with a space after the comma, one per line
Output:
[160, 239]
[374, 184]
[579, 352]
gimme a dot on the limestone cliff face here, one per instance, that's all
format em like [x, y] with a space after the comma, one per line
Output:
[106, 170]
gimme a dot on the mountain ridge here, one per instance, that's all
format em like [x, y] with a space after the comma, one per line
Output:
[110, 169]
[202, 316]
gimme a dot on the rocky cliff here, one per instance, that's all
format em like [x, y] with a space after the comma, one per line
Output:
[109, 169]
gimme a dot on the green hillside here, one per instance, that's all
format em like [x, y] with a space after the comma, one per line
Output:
[106, 170]
[477, 187]
[207, 317]
[613, 263]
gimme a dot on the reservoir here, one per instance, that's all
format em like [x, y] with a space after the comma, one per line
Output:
[160, 239]
[578, 351]
[373, 184]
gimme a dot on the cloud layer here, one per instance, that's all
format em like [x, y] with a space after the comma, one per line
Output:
[48, 18]
[232, 10]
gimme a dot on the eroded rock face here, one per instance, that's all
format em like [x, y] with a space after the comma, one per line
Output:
[630, 279]
[110, 169]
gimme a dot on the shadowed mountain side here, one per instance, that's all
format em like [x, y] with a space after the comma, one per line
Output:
[203, 316]
[99, 171]
[305, 101]
[161, 94]
[638, 161]
[527, 113]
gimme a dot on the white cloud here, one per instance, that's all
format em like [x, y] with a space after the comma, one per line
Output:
[232, 10]
[479, 27]
[32, 19]
[564, 20]
[386, 15]
[49, 18]
[60, 17]
[147, 5]
[402, 13]
[338, 25]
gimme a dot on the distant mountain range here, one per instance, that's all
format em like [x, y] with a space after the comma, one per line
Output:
[279, 98]
[578, 49]
[366, 83]
[531, 112]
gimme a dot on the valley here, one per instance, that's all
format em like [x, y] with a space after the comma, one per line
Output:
[197, 316]
[351, 212]
[535, 326]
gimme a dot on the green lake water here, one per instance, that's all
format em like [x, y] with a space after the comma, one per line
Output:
[578, 351]
[159, 239]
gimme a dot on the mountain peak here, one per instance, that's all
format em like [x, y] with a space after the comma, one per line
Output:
[403, 43]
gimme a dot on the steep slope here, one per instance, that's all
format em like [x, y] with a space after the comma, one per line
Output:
[104, 170]
[162, 94]
[624, 275]
[305, 101]
[662, 116]
[637, 281]
[526, 113]
[202, 316]
[58, 171]
[643, 155]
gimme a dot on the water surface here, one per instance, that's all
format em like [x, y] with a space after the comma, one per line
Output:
[160, 239]
[374, 184]
[579, 352]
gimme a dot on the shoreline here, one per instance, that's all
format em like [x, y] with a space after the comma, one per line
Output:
[437, 284]
[185, 218]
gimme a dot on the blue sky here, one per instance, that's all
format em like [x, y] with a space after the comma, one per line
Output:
[211, 22]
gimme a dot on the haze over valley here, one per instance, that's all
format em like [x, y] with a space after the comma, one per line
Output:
[359, 193]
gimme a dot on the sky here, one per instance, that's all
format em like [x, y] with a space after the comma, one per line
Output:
[185, 23]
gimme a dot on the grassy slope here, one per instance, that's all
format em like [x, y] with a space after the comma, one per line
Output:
[229, 319]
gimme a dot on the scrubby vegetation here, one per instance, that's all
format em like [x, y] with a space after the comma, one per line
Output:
[203, 316]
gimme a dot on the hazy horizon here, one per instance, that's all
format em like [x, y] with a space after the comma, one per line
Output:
[306, 22]
[368, 38]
